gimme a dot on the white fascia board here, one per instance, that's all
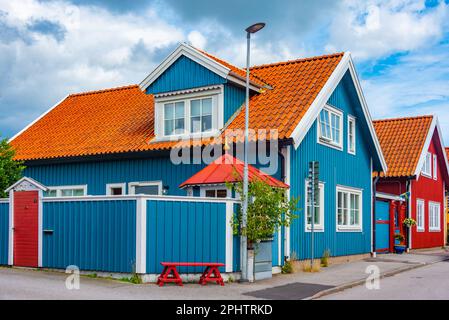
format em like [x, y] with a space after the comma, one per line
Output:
[191, 53]
[38, 118]
[29, 180]
[312, 113]
[434, 125]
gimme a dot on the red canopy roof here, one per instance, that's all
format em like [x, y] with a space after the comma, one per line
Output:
[229, 169]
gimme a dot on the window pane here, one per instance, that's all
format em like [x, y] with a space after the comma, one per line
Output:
[67, 193]
[195, 108]
[169, 111]
[50, 193]
[148, 190]
[222, 193]
[207, 123]
[210, 193]
[195, 124]
[179, 113]
[345, 208]
[168, 127]
[78, 192]
[118, 191]
[179, 126]
[207, 106]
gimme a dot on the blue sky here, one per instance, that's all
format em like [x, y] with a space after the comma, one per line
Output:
[51, 48]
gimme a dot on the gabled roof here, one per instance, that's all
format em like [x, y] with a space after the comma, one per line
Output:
[121, 119]
[229, 169]
[405, 142]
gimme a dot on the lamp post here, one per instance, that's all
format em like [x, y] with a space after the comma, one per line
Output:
[244, 241]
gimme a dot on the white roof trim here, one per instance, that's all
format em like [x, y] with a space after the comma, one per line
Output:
[29, 180]
[434, 125]
[194, 90]
[200, 58]
[312, 113]
[38, 118]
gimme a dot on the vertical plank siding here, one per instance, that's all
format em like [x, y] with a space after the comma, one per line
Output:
[93, 235]
[185, 231]
[4, 232]
[336, 168]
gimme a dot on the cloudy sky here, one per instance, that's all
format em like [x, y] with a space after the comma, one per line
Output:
[50, 48]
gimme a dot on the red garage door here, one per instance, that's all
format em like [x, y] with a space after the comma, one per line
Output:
[26, 208]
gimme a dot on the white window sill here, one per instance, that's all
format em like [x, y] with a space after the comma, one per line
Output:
[349, 229]
[435, 230]
[315, 229]
[209, 134]
[330, 144]
[426, 175]
[420, 230]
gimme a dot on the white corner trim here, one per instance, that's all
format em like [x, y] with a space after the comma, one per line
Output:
[40, 229]
[11, 229]
[286, 153]
[191, 53]
[141, 235]
[229, 236]
[312, 113]
[37, 119]
[434, 125]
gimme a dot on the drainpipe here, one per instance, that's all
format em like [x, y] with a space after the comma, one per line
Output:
[282, 166]
[373, 244]
[408, 212]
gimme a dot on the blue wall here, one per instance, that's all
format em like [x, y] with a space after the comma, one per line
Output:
[184, 74]
[4, 232]
[234, 98]
[93, 235]
[185, 231]
[336, 168]
[97, 174]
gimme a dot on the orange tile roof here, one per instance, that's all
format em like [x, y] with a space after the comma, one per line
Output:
[447, 152]
[121, 119]
[402, 141]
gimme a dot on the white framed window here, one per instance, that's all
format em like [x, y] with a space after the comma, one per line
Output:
[330, 127]
[427, 166]
[434, 216]
[435, 167]
[66, 191]
[351, 135]
[116, 189]
[319, 209]
[215, 192]
[195, 113]
[153, 188]
[420, 223]
[349, 209]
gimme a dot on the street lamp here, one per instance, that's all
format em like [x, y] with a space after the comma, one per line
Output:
[244, 241]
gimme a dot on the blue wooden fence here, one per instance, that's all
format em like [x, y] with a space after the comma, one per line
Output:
[4, 234]
[187, 231]
[93, 235]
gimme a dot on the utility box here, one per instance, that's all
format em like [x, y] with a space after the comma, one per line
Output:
[263, 260]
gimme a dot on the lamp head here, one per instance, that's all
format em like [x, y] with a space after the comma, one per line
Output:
[255, 27]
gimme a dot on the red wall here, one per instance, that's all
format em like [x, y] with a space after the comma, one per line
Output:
[429, 189]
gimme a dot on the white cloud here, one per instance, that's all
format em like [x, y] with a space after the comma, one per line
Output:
[375, 28]
[197, 39]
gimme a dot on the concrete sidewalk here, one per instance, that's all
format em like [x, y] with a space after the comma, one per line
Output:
[29, 284]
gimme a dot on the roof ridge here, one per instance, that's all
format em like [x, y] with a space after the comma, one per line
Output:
[325, 56]
[403, 118]
[132, 86]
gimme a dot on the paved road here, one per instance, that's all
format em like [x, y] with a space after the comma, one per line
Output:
[429, 282]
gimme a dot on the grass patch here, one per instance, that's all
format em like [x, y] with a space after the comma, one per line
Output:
[306, 266]
[134, 279]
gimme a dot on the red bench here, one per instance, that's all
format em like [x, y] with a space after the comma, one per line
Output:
[210, 274]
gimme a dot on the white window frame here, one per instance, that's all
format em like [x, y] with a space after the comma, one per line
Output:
[352, 122]
[216, 93]
[60, 188]
[325, 141]
[420, 203]
[427, 166]
[317, 227]
[349, 191]
[434, 205]
[435, 167]
[217, 187]
[132, 185]
[110, 186]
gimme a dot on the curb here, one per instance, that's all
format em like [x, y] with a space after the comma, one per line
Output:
[362, 281]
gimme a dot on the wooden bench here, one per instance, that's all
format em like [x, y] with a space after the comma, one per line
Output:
[210, 274]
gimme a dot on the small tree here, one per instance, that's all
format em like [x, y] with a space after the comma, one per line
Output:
[10, 170]
[268, 209]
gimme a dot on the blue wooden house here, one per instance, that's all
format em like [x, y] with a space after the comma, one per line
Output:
[130, 140]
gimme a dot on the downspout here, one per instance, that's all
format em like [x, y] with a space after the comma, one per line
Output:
[373, 244]
[408, 211]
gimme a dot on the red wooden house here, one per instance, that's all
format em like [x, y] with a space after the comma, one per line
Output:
[414, 184]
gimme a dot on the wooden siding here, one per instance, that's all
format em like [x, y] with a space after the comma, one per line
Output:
[93, 235]
[4, 232]
[336, 168]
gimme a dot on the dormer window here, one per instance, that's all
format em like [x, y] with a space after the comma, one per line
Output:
[189, 113]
